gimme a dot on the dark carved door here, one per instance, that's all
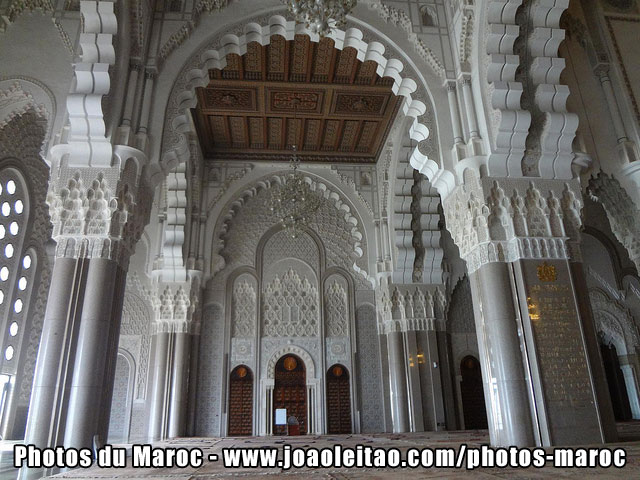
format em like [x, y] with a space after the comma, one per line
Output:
[290, 392]
[615, 380]
[241, 402]
[473, 407]
[338, 400]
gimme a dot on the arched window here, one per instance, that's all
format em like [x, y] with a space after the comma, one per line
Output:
[17, 270]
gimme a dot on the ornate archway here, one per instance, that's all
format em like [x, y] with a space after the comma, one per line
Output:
[617, 329]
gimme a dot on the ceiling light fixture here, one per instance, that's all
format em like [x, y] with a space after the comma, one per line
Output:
[320, 16]
[294, 202]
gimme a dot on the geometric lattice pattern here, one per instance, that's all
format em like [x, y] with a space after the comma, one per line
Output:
[336, 310]
[290, 307]
[369, 374]
[244, 310]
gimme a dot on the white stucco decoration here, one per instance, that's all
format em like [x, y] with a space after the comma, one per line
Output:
[294, 350]
[328, 192]
[614, 322]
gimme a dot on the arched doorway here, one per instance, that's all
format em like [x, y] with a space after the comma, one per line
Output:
[290, 392]
[615, 380]
[338, 400]
[241, 401]
[473, 407]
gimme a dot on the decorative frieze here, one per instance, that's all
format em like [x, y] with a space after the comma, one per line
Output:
[410, 309]
[504, 220]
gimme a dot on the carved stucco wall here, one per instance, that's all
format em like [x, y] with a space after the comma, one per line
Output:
[254, 219]
[210, 380]
[461, 324]
[120, 408]
[21, 139]
[369, 376]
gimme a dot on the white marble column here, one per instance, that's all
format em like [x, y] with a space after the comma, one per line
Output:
[57, 332]
[92, 351]
[398, 382]
[179, 385]
[472, 121]
[432, 391]
[157, 394]
[416, 395]
[455, 113]
[193, 381]
[631, 384]
[505, 388]
[612, 103]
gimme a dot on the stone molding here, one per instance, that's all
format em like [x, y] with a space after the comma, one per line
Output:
[505, 220]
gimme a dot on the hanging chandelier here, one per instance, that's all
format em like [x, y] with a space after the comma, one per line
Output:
[320, 16]
[294, 202]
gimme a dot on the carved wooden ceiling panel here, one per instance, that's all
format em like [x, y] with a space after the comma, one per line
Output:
[331, 106]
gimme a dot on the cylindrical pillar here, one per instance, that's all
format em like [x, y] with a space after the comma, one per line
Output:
[472, 121]
[112, 357]
[158, 386]
[56, 330]
[416, 395]
[632, 390]
[179, 385]
[455, 113]
[398, 383]
[131, 93]
[505, 387]
[432, 393]
[193, 380]
[88, 384]
[614, 110]
[385, 240]
[146, 102]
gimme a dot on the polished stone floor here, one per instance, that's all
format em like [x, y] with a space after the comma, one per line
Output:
[629, 440]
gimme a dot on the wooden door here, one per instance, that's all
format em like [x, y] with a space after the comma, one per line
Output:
[290, 392]
[241, 402]
[338, 400]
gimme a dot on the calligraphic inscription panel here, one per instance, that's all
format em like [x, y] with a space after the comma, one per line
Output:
[561, 355]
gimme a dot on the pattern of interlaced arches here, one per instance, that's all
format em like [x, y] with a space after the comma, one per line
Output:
[290, 307]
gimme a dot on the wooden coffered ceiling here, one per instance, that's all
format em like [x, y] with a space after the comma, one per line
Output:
[331, 106]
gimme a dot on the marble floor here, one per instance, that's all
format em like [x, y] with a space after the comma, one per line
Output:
[629, 439]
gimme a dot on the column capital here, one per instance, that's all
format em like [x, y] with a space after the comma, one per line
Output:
[98, 213]
[176, 306]
[508, 219]
[411, 308]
